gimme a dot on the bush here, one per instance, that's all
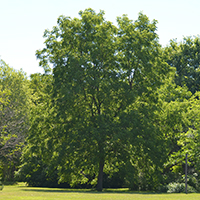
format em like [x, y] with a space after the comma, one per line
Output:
[179, 187]
[193, 181]
[1, 185]
[162, 189]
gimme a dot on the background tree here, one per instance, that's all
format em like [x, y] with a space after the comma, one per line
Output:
[187, 141]
[14, 118]
[36, 168]
[104, 80]
[4, 94]
[185, 57]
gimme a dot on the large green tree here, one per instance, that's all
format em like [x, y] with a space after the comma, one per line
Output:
[104, 93]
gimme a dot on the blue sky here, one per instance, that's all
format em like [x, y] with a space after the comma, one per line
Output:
[22, 22]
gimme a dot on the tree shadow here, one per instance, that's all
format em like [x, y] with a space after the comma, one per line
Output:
[92, 191]
[57, 190]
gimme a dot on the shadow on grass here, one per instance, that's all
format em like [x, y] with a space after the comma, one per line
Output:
[10, 183]
[92, 191]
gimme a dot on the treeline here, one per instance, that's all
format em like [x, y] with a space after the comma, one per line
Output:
[116, 110]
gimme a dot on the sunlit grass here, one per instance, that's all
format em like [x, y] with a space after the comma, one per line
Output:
[20, 192]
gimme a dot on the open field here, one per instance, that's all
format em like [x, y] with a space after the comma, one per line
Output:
[21, 192]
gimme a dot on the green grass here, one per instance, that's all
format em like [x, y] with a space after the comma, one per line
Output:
[20, 192]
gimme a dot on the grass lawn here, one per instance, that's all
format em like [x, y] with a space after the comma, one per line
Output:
[20, 192]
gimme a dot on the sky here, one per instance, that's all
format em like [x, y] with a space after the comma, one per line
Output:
[23, 22]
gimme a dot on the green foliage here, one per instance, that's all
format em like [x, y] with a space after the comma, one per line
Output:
[14, 117]
[37, 173]
[184, 137]
[105, 80]
[185, 57]
[116, 104]
[1, 185]
[179, 188]
[34, 170]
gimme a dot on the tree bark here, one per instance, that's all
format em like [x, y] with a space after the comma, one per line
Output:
[100, 176]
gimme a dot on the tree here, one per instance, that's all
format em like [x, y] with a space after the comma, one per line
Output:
[34, 170]
[104, 83]
[185, 57]
[179, 119]
[187, 141]
[3, 101]
[13, 118]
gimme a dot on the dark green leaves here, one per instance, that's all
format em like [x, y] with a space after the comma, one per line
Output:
[105, 80]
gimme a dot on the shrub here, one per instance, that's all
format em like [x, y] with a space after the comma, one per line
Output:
[1, 185]
[179, 187]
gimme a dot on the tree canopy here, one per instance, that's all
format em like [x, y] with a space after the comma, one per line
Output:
[104, 88]
[14, 117]
[185, 56]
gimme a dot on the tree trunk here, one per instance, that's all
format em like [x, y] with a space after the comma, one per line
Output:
[100, 176]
